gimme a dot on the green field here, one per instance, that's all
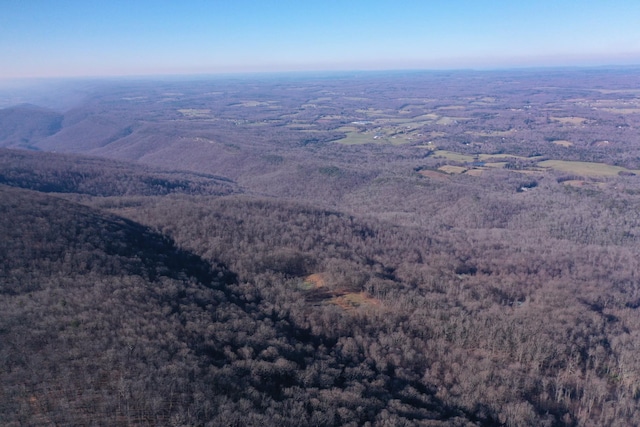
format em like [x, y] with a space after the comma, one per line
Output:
[584, 168]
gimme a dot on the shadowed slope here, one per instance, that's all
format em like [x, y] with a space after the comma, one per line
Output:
[68, 173]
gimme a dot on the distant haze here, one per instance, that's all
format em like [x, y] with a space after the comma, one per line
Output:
[90, 38]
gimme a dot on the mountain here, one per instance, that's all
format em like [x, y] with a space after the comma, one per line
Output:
[103, 320]
[93, 312]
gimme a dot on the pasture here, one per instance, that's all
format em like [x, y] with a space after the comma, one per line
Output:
[584, 168]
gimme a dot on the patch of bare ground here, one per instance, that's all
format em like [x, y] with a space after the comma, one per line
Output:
[318, 293]
[314, 281]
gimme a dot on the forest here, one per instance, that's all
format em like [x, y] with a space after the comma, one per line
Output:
[350, 249]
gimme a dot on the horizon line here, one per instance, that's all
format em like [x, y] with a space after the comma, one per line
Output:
[178, 75]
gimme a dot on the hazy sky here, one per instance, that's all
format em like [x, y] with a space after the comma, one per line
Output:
[40, 38]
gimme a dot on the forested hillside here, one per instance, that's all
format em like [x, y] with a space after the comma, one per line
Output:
[103, 320]
[59, 173]
[378, 250]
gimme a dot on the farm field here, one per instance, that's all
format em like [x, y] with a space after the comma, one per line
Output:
[586, 168]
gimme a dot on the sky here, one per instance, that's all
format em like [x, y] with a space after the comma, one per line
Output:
[69, 38]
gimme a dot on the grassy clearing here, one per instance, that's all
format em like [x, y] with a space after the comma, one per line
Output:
[456, 157]
[584, 168]
[355, 137]
[570, 120]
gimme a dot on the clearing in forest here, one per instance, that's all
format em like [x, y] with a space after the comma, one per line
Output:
[313, 281]
[319, 292]
[453, 156]
[352, 300]
[570, 120]
[585, 168]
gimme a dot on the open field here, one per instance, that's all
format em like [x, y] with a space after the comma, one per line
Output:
[585, 168]
[450, 155]
[570, 120]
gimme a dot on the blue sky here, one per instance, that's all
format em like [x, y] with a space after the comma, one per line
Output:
[55, 38]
